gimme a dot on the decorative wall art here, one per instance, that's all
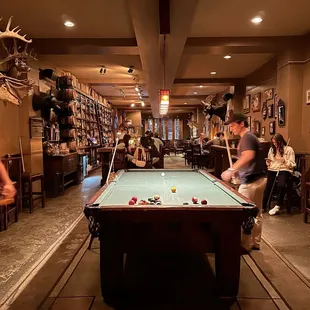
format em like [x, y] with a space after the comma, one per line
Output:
[272, 127]
[268, 94]
[256, 128]
[270, 111]
[276, 99]
[246, 104]
[308, 96]
[256, 102]
[281, 113]
[264, 110]
[249, 119]
[263, 131]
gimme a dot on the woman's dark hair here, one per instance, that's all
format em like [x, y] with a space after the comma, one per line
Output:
[144, 141]
[126, 139]
[280, 143]
[218, 134]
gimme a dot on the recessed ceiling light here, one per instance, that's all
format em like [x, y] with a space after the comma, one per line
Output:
[68, 23]
[213, 72]
[201, 86]
[132, 105]
[195, 93]
[185, 102]
[256, 20]
[227, 57]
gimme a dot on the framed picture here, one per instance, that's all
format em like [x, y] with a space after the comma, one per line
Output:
[246, 104]
[270, 111]
[263, 131]
[276, 99]
[268, 94]
[256, 102]
[308, 96]
[249, 119]
[281, 113]
[272, 127]
[264, 110]
[256, 128]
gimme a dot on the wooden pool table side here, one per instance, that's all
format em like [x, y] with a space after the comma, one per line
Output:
[146, 228]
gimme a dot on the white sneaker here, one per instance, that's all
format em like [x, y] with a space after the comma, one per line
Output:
[274, 210]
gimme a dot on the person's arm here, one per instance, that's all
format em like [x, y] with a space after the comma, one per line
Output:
[246, 157]
[8, 190]
[289, 158]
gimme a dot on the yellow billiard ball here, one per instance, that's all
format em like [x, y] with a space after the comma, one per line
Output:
[173, 189]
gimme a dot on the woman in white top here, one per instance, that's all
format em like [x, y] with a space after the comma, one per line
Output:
[281, 157]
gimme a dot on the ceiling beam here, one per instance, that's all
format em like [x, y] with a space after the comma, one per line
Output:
[240, 45]
[122, 46]
[198, 81]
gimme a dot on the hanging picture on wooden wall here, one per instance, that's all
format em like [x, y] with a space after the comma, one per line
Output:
[256, 102]
[281, 113]
[270, 111]
[246, 104]
[268, 94]
[308, 96]
[256, 128]
[276, 99]
[264, 110]
[272, 127]
[249, 122]
[263, 131]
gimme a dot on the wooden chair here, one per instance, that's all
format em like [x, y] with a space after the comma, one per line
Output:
[30, 196]
[305, 186]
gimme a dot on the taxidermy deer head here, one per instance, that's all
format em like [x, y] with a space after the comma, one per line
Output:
[13, 87]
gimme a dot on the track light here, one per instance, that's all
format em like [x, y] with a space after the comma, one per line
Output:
[103, 70]
[142, 103]
[130, 70]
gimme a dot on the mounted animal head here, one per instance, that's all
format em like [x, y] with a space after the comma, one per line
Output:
[13, 88]
[216, 105]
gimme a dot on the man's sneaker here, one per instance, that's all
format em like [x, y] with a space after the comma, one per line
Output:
[274, 210]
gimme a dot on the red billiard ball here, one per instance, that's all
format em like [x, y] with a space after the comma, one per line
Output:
[204, 202]
[194, 199]
[131, 202]
[134, 199]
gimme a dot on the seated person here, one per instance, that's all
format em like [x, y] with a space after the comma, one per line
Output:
[281, 157]
[124, 143]
[217, 139]
[157, 142]
[136, 159]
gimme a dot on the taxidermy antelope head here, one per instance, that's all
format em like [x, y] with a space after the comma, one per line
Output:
[13, 87]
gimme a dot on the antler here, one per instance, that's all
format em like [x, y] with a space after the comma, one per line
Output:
[14, 33]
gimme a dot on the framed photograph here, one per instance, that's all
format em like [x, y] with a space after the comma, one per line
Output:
[263, 131]
[246, 104]
[276, 99]
[256, 102]
[281, 113]
[308, 96]
[256, 128]
[249, 119]
[268, 94]
[270, 111]
[264, 110]
[272, 127]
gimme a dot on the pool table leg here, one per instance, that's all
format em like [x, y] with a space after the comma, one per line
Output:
[111, 270]
[227, 262]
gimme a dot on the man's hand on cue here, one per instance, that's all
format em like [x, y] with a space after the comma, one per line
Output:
[8, 191]
[228, 174]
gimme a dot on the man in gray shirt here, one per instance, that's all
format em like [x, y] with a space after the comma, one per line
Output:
[250, 166]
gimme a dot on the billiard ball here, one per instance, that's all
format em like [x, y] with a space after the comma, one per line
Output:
[194, 199]
[156, 197]
[134, 199]
[204, 202]
[185, 203]
[158, 203]
[162, 174]
[131, 202]
[150, 199]
[152, 203]
[173, 189]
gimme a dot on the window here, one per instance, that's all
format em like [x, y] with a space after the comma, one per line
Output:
[156, 125]
[150, 124]
[176, 129]
[170, 129]
[163, 130]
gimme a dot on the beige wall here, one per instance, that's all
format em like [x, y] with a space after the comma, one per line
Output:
[305, 119]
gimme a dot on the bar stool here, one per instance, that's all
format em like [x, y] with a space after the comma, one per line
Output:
[5, 210]
[28, 193]
[306, 207]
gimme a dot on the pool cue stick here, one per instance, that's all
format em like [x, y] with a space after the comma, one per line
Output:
[21, 153]
[275, 179]
[112, 161]
[229, 156]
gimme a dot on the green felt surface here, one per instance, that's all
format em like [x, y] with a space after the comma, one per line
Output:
[147, 183]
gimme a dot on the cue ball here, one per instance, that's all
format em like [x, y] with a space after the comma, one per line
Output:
[162, 174]
[131, 202]
[204, 202]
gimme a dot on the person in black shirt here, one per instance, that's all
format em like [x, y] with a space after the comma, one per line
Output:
[250, 167]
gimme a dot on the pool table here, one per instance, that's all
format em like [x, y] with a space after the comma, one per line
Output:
[170, 227]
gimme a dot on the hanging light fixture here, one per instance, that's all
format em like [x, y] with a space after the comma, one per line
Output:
[164, 95]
